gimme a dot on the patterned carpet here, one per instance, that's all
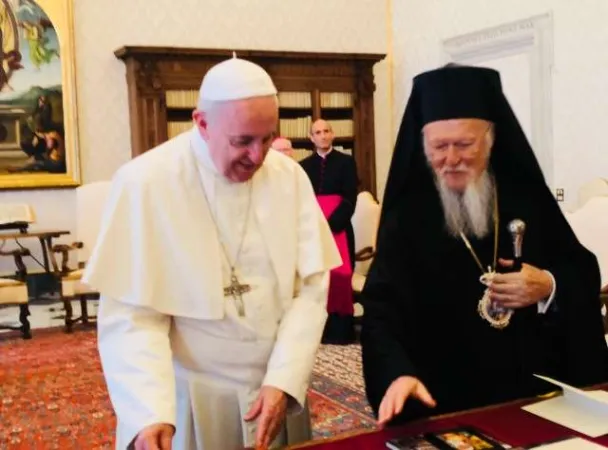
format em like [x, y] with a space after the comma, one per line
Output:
[337, 395]
[53, 395]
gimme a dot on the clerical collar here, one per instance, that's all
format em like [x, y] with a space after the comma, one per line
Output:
[326, 153]
[201, 151]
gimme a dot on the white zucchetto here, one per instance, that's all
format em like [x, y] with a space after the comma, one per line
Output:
[235, 79]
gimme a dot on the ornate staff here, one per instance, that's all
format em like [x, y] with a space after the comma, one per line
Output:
[517, 228]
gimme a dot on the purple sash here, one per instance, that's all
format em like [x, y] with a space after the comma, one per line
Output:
[340, 299]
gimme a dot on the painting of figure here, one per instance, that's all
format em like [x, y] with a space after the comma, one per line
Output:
[32, 110]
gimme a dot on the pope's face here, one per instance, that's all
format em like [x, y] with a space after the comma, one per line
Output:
[238, 134]
[457, 150]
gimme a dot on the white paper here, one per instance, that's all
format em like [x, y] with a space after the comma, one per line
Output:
[583, 411]
[572, 444]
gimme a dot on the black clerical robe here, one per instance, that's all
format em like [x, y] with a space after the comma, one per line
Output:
[421, 314]
[336, 174]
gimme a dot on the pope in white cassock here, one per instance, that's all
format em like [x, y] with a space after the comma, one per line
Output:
[213, 264]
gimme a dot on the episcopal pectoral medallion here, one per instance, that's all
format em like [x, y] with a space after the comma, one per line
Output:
[497, 316]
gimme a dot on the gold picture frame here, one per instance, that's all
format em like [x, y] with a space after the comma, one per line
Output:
[39, 144]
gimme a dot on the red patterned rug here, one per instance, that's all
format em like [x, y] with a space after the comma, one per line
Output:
[53, 395]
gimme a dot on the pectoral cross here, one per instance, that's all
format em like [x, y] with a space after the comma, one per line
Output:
[236, 290]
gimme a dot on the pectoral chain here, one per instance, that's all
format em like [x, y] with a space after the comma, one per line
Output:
[235, 289]
[497, 316]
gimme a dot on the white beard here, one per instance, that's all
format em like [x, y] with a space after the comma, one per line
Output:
[469, 212]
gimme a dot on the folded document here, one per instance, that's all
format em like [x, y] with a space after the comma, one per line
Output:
[583, 411]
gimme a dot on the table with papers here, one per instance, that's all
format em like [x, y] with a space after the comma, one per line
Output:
[573, 419]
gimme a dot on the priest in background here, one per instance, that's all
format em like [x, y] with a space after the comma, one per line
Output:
[450, 323]
[283, 145]
[213, 266]
[333, 175]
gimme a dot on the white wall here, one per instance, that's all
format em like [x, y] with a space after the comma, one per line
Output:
[579, 104]
[103, 26]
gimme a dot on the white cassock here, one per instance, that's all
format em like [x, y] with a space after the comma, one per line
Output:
[174, 349]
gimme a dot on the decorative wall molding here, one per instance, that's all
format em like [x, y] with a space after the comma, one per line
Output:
[532, 37]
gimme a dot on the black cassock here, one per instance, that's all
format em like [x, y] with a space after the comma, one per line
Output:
[336, 174]
[421, 314]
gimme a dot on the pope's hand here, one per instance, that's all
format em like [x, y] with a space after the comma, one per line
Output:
[396, 395]
[520, 289]
[155, 437]
[269, 409]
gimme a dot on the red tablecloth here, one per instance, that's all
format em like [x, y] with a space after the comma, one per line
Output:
[506, 423]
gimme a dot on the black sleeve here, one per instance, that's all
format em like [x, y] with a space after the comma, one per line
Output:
[576, 307]
[385, 294]
[340, 218]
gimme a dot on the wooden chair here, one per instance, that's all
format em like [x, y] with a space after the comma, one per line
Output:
[90, 202]
[365, 223]
[13, 292]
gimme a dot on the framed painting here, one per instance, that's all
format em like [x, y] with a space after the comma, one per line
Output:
[38, 111]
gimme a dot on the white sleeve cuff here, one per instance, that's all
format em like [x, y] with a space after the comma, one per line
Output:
[543, 305]
[293, 356]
